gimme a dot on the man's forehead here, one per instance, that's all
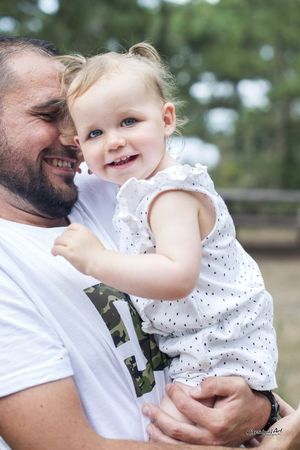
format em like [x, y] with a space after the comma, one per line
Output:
[31, 66]
[36, 78]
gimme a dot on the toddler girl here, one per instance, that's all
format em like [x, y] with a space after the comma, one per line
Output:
[192, 283]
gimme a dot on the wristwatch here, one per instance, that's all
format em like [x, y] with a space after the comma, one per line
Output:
[274, 409]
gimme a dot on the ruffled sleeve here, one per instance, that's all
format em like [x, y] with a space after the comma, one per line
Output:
[135, 197]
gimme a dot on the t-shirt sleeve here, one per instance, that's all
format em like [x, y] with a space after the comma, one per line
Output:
[31, 352]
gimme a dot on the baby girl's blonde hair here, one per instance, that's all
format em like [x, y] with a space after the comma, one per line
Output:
[81, 73]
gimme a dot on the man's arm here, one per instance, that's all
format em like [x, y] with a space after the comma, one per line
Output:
[284, 434]
[50, 417]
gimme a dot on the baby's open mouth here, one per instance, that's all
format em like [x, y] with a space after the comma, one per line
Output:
[123, 160]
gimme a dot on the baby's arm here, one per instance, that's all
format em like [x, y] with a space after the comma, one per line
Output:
[168, 274]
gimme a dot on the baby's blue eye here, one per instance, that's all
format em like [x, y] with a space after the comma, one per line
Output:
[128, 122]
[95, 133]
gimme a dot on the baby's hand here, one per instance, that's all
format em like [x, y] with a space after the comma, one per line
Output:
[79, 246]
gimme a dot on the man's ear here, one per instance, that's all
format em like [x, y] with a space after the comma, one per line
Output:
[169, 118]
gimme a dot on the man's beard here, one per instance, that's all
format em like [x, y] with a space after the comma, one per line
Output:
[33, 186]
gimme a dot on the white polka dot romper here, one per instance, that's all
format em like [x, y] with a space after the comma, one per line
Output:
[224, 327]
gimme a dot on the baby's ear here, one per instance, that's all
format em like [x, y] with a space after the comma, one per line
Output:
[169, 118]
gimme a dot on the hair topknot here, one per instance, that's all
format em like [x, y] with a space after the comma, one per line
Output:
[145, 50]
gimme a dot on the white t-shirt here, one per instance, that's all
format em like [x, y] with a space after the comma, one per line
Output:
[54, 325]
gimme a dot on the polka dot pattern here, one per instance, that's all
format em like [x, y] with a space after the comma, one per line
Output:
[225, 325]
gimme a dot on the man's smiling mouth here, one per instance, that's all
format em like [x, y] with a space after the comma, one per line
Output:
[61, 163]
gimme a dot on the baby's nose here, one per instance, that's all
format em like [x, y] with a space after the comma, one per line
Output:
[115, 142]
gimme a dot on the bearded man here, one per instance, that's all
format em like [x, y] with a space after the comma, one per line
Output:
[75, 369]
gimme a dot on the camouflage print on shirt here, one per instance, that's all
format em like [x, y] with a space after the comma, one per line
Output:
[103, 298]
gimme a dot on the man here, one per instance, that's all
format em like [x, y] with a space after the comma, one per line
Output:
[75, 368]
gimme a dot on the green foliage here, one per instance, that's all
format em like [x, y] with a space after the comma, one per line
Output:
[233, 40]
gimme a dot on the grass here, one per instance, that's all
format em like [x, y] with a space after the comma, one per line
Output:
[278, 255]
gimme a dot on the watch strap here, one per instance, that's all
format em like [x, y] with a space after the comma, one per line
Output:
[274, 409]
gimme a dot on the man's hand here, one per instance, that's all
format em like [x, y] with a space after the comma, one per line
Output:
[236, 412]
[79, 246]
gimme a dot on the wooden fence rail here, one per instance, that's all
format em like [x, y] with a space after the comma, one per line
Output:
[255, 208]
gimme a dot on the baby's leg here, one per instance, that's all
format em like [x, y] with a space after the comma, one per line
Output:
[168, 406]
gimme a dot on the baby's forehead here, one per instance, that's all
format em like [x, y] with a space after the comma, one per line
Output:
[108, 70]
[119, 88]
[127, 67]
[125, 74]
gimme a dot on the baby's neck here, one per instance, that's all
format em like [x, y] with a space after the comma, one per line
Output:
[166, 162]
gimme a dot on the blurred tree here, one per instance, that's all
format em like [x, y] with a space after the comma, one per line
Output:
[239, 40]
[80, 26]
[218, 51]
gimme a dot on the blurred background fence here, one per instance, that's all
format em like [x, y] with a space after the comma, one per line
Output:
[237, 69]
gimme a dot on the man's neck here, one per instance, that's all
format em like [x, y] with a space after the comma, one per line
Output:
[16, 210]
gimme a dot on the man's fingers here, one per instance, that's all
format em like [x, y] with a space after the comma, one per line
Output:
[218, 387]
[173, 428]
[194, 410]
[157, 436]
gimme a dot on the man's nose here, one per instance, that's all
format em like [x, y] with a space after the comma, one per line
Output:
[67, 140]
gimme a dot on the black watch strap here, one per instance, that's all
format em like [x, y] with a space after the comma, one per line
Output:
[274, 409]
